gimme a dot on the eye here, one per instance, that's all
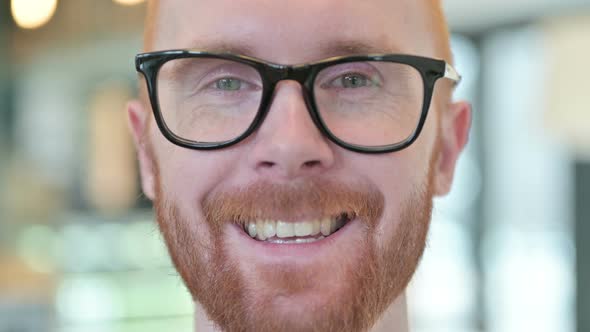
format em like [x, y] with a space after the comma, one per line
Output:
[228, 84]
[352, 81]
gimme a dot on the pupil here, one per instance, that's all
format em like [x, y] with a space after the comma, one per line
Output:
[354, 81]
[228, 84]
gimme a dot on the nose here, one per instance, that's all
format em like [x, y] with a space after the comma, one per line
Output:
[288, 144]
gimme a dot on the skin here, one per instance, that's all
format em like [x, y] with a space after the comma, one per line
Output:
[288, 150]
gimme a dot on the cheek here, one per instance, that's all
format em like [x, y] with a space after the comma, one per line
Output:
[186, 176]
[399, 176]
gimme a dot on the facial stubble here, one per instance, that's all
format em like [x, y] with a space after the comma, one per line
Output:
[374, 277]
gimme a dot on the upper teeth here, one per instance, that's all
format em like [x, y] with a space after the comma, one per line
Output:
[263, 229]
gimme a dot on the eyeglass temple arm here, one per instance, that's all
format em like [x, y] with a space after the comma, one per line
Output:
[452, 74]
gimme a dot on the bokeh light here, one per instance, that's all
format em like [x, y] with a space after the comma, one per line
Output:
[128, 2]
[32, 14]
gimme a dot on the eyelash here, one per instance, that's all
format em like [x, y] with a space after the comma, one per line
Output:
[245, 84]
[368, 71]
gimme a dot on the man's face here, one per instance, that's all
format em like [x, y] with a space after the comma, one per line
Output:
[372, 211]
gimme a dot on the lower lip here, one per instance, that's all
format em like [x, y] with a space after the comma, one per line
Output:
[276, 250]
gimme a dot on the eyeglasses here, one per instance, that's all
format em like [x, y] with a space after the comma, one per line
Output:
[364, 103]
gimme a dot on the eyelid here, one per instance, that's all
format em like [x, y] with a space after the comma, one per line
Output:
[331, 73]
[211, 77]
[213, 83]
[368, 70]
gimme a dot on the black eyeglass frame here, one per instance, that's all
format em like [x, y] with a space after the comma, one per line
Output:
[431, 70]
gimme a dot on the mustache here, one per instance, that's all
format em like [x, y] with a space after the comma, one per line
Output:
[308, 199]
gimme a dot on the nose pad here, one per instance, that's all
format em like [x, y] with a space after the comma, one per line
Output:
[288, 143]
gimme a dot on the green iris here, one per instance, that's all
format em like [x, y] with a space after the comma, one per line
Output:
[228, 84]
[354, 81]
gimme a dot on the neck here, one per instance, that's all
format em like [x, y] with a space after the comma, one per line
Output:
[395, 318]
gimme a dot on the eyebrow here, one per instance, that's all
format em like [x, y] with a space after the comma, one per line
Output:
[350, 47]
[225, 47]
[326, 50]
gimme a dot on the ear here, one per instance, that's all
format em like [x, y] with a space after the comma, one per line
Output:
[138, 119]
[454, 134]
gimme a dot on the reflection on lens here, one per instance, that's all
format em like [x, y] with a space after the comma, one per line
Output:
[370, 103]
[208, 100]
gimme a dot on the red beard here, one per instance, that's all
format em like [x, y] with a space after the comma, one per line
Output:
[368, 281]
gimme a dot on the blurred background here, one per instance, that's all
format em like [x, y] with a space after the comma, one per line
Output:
[79, 250]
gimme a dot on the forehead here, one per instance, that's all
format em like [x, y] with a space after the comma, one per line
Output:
[287, 32]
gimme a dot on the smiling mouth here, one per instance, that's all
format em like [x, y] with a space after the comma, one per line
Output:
[297, 232]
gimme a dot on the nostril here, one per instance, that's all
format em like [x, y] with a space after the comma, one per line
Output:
[267, 164]
[311, 163]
